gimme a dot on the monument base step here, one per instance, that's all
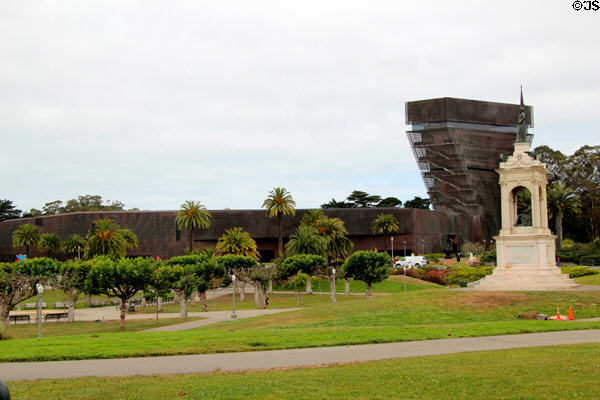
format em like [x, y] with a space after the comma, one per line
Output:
[525, 277]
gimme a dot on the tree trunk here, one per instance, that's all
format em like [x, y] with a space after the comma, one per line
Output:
[280, 235]
[242, 291]
[260, 298]
[88, 300]
[203, 302]
[71, 308]
[4, 311]
[332, 288]
[559, 230]
[123, 312]
[369, 290]
[182, 303]
[346, 286]
[309, 286]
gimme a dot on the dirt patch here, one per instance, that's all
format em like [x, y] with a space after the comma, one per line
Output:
[485, 300]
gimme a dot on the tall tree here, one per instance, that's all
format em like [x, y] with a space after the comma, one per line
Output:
[193, 215]
[106, 238]
[196, 273]
[338, 204]
[49, 243]
[418, 202]
[71, 280]
[278, 203]
[238, 242]
[8, 210]
[248, 270]
[306, 241]
[26, 235]
[561, 201]
[390, 202]
[74, 244]
[18, 282]
[555, 163]
[386, 224]
[122, 279]
[363, 199]
[369, 267]
[583, 170]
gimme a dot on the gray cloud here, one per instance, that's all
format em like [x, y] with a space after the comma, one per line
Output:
[152, 103]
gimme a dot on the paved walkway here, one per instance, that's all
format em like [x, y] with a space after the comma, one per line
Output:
[285, 358]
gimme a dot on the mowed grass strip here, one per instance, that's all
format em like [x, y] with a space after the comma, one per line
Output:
[52, 329]
[395, 284]
[558, 372]
[418, 315]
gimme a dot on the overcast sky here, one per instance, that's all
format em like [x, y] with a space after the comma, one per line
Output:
[156, 102]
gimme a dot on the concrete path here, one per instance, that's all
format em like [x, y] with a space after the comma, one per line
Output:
[216, 316]
[285, 358]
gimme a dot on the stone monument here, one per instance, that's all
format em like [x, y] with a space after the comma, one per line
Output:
[525, 247]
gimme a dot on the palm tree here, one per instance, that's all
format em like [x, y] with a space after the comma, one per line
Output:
[306, 241]
[25, 235]
[191, 216]
[311, 217]
[49, 242]
[131, 239]
[561, 200]
[74, 243]
[237, 242]
[278, 203]
[386, 224]
[105, 239]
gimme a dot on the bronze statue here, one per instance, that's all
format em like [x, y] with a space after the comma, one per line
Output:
[522, 131]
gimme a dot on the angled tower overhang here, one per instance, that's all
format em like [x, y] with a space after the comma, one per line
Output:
[457, 144]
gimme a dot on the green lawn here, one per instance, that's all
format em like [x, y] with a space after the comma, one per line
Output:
[558, 372]
[52, 329]
[415, 315]
[588, 280]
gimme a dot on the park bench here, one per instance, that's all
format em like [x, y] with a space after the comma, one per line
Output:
[33, 306]
[60, 305]
[56, 316]
[130, 309]
[20, 317]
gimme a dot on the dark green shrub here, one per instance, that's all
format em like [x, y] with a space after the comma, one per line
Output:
[575, 272]
[469, 274]
[488, 257]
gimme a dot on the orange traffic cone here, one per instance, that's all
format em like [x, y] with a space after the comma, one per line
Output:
[570, 313]
[558, 313]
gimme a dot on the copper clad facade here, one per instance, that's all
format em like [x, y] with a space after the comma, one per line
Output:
[423, 230]
[457, 144]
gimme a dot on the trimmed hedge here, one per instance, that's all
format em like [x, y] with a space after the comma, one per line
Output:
[469, 274]
[575, 272]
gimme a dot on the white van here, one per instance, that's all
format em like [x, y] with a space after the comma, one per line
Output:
[411, 261]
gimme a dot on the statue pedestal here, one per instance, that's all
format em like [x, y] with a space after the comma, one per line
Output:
[525, 262]
[525, 247]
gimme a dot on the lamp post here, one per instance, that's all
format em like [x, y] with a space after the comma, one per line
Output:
[423, 240]
[484, 245]
[404, 241]
[78, 252]
[334, 284]
[392, 238]
[233, 316]
[40, 292]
